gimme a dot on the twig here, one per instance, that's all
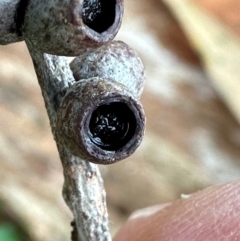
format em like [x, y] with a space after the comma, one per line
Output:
[83, 187]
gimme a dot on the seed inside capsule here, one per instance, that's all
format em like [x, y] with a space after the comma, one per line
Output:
[112, 126]
[99, 15]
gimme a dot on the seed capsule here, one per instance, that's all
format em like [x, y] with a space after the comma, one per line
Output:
[100, 120]
[115, 60]
[69, 27]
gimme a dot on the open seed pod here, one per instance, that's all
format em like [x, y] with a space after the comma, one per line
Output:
[115, 60]
[100, 121]
[68, 27]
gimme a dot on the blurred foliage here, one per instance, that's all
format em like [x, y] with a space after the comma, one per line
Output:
[9, 232]
[10, 229]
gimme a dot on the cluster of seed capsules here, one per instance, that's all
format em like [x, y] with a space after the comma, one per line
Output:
[100, 118]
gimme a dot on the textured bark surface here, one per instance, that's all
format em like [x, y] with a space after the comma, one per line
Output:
[192, 139]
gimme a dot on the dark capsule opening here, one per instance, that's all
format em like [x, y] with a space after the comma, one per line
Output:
[112, 126]
[21, 9]
[99, 15]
